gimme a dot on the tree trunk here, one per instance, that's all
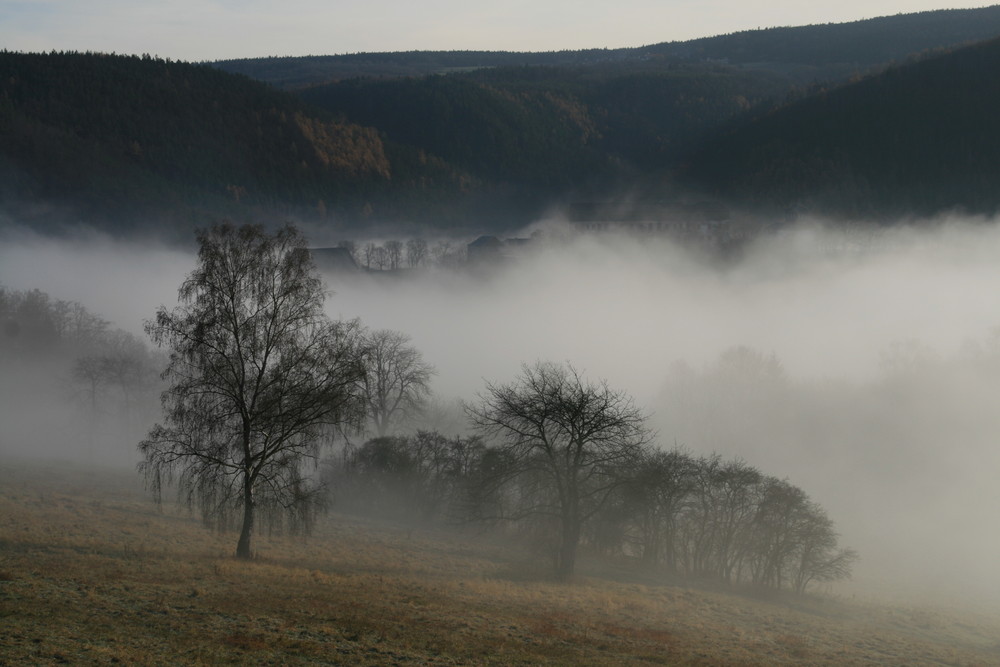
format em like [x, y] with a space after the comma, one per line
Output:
[670, 552]
[566, 558]
[243, 546]
[651, 546]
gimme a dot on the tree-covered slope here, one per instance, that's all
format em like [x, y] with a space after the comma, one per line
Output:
[124, 142]
[554, 131]
[537, 139]
[915, 140]
[108, 138]
[121, 141]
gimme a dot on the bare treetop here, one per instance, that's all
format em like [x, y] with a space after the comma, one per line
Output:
[552, 409]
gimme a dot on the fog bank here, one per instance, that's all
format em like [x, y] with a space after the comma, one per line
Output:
[867, 376]
[827, 304]
[884, 408]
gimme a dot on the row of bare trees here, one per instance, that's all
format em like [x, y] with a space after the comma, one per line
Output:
[422, 477]
[701, 517]
[107, 376]
[104, 360]
[116, 383]
[394, 254]
[566, 463]
[724, 519]
[35, 322]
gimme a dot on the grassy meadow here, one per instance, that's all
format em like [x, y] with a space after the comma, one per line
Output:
[93, 572]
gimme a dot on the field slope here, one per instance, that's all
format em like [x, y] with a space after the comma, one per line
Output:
[91, 572]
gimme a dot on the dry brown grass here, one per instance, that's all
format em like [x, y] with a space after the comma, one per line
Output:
[91, 572]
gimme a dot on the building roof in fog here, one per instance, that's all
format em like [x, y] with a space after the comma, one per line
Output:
[486, 242]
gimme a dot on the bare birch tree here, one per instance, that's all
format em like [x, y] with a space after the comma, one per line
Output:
[257, 373]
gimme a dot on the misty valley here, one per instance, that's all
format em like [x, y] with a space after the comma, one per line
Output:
[682, 353]
[811, 416]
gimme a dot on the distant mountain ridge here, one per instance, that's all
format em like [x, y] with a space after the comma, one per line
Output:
[804, 53]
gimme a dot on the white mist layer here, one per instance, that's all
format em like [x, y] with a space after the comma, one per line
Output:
[907, 472]
[625, 309]
[122, 281]
[886, 413]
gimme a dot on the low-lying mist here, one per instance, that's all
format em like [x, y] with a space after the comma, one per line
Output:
[863, 366]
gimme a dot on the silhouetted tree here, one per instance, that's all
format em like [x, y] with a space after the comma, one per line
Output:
[394, 253]
[369, 252]
[818, 556]
[572, 437]
[396, 383]
[380, 257]
[656, 496]
[256, 372]
[416, 252]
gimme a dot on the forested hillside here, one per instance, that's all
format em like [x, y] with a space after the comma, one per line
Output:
[551, 130]
[493, 141]
[538, 140]
[112, 140]
[120, 142]
[915, 140]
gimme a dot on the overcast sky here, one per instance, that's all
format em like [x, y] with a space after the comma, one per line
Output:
[218, 29]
